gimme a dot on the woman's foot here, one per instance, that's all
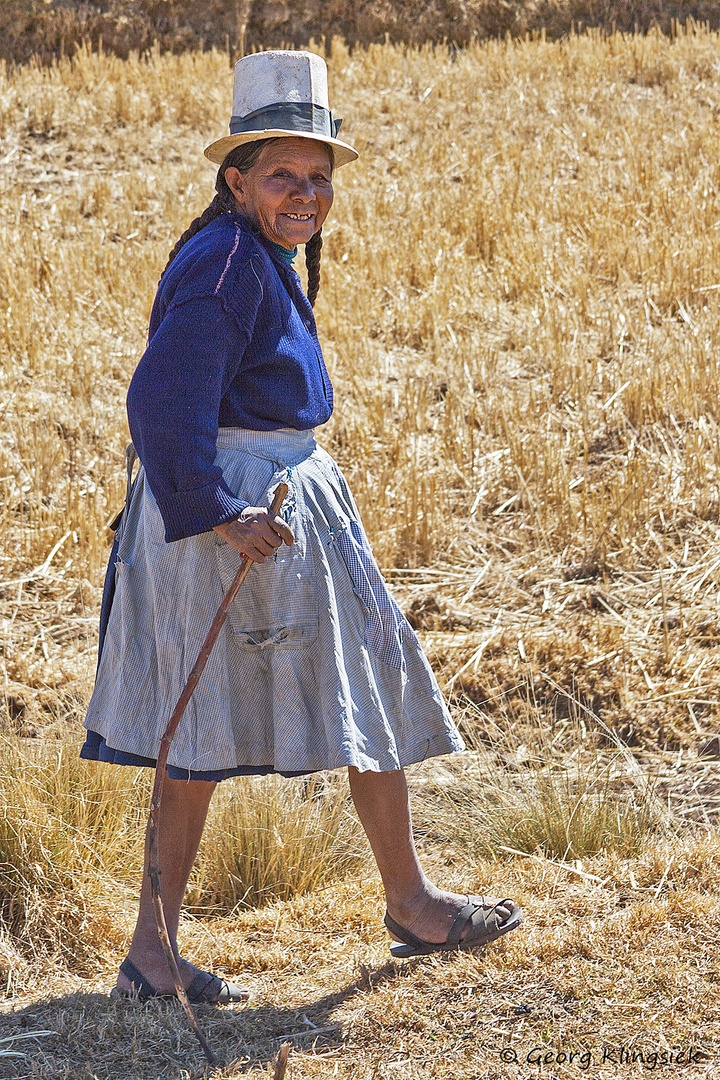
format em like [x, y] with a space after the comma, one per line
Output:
[430, 915]
[151, 977]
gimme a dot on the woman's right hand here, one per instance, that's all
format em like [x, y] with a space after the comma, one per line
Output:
[257, 533]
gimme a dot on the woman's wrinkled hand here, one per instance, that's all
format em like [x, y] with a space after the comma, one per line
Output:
[257, 533]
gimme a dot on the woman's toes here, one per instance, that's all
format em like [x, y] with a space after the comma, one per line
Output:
[504, 909]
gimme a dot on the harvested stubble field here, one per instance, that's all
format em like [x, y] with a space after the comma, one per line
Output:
[521, 312]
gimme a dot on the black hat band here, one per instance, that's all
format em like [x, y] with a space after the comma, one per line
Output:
[301, 116]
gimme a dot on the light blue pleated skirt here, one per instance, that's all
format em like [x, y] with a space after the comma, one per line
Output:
[316, 666]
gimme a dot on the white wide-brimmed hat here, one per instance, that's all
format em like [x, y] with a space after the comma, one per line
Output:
[281, 93]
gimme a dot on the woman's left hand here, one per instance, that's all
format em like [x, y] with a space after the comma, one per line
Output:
[257, 533]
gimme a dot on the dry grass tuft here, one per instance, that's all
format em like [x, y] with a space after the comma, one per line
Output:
[271, 839]
[517, 796]
[68, 835]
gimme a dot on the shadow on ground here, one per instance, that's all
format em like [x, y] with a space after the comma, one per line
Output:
[92, 1036]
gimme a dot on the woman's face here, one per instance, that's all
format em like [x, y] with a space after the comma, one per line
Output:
[288, 191]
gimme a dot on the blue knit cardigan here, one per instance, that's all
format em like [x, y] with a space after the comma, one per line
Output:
[232, 343]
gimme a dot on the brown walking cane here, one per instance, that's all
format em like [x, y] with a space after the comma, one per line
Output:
[156, 801]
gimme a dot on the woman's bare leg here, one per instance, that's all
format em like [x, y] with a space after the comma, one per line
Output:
[182, 817]
[381, 800]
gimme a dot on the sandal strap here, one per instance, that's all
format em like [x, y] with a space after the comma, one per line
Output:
[481, 915]
[453, 939]
[404, 935]
[142, 987]
[205, 989]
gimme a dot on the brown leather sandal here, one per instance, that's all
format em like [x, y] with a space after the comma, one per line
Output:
[485, 926]
[205, 989]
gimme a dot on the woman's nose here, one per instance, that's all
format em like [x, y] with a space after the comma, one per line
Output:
[303, 189]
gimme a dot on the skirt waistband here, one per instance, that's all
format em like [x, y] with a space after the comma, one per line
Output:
[286, 446]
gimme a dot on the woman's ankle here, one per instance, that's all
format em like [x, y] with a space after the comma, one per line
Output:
[409, 898]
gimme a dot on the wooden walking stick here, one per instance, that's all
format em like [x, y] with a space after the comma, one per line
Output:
[156, 801]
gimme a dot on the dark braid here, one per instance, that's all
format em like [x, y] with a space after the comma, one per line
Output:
[242, 158]
[313, 248]
[215, 209]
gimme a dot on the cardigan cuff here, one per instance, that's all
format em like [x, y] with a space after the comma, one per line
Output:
[187, 513]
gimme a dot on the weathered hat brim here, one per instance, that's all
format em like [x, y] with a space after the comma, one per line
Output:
[217, 152]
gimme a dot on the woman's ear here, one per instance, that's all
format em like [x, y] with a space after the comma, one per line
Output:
[234, 180]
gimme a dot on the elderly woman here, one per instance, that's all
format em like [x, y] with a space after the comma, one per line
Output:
[316, 667]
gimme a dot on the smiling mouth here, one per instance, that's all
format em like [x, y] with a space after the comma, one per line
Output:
[299, 217]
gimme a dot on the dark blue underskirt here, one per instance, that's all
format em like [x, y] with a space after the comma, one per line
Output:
[96, 749]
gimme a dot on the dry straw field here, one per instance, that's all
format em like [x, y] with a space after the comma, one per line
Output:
[521, 312]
